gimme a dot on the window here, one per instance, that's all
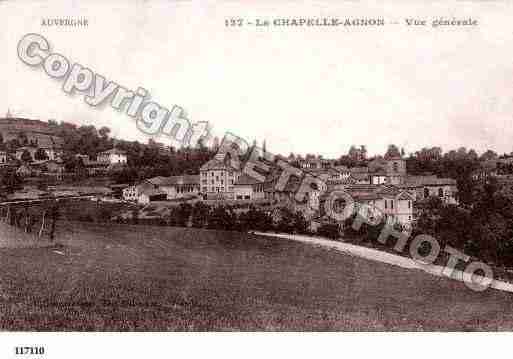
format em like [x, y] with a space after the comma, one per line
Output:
[426, 192]
[230, 173]
[440, 192]
[246, 197]
[385, 204]
[217, 189]
[204, 189]
[396, 167]
[391, 204]
[222, 182]
[239, 197]
[409, 204]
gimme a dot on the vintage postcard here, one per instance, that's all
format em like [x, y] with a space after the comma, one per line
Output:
[254, 166]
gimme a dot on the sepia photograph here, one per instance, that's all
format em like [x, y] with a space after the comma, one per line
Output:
[273, 166]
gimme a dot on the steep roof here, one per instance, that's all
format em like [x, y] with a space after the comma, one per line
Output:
[360, 176]
[360, 169]
[113, 151]
[216, 164]
[49, 142]
[341, 168]
[174, 180]
[420, 181]
[150, 192]
[245, 179]
[320, 171]
[365, 192]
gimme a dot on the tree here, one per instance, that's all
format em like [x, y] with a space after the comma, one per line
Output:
[357, 154]
[200, 215]
[286, 221]
[472, 155]
[10, 180]
[300, 223]
[104, 132]
[392, 152]
[488, 155]
[23, 139]
[222, 218]
[329, 230]
[26, 156]
[40, 155]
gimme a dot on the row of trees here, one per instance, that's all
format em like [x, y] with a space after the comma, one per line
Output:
[221, 217]
[201, 215]
[483, 230]
[144, 159]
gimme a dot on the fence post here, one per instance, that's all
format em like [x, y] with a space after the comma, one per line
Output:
[42, 224]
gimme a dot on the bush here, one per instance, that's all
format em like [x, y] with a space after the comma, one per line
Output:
[222, 218]
[255, 219]
[200, 215]
[329, 230]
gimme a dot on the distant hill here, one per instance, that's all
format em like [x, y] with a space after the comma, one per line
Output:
[41, 131]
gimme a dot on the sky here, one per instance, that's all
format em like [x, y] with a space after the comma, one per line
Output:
[303, 90]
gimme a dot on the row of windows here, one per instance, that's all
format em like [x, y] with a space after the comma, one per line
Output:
[213, 173]
[216, 189]
[214, 182]
[186, 189]
[243, 197]
[392, 204]
[440, 192]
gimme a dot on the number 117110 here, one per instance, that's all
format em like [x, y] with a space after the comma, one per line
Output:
[29, 350]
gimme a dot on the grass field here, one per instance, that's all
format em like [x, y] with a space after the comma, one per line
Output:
[115, 277]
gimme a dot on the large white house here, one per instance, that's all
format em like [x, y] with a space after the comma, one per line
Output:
[217, 179]
[113, 156]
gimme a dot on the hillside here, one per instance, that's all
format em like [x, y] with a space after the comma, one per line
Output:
[116, 277]
[11, 128]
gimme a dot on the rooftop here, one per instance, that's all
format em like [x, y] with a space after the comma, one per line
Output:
[113, 151]
[174, 180]
[216, 164]
[245, 179]
[419, 181]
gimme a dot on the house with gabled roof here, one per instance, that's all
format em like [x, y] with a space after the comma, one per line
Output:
[248, 188]
[217, 179]
[177, 186]
[424, 187]
[113, 156]
[386, 202]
